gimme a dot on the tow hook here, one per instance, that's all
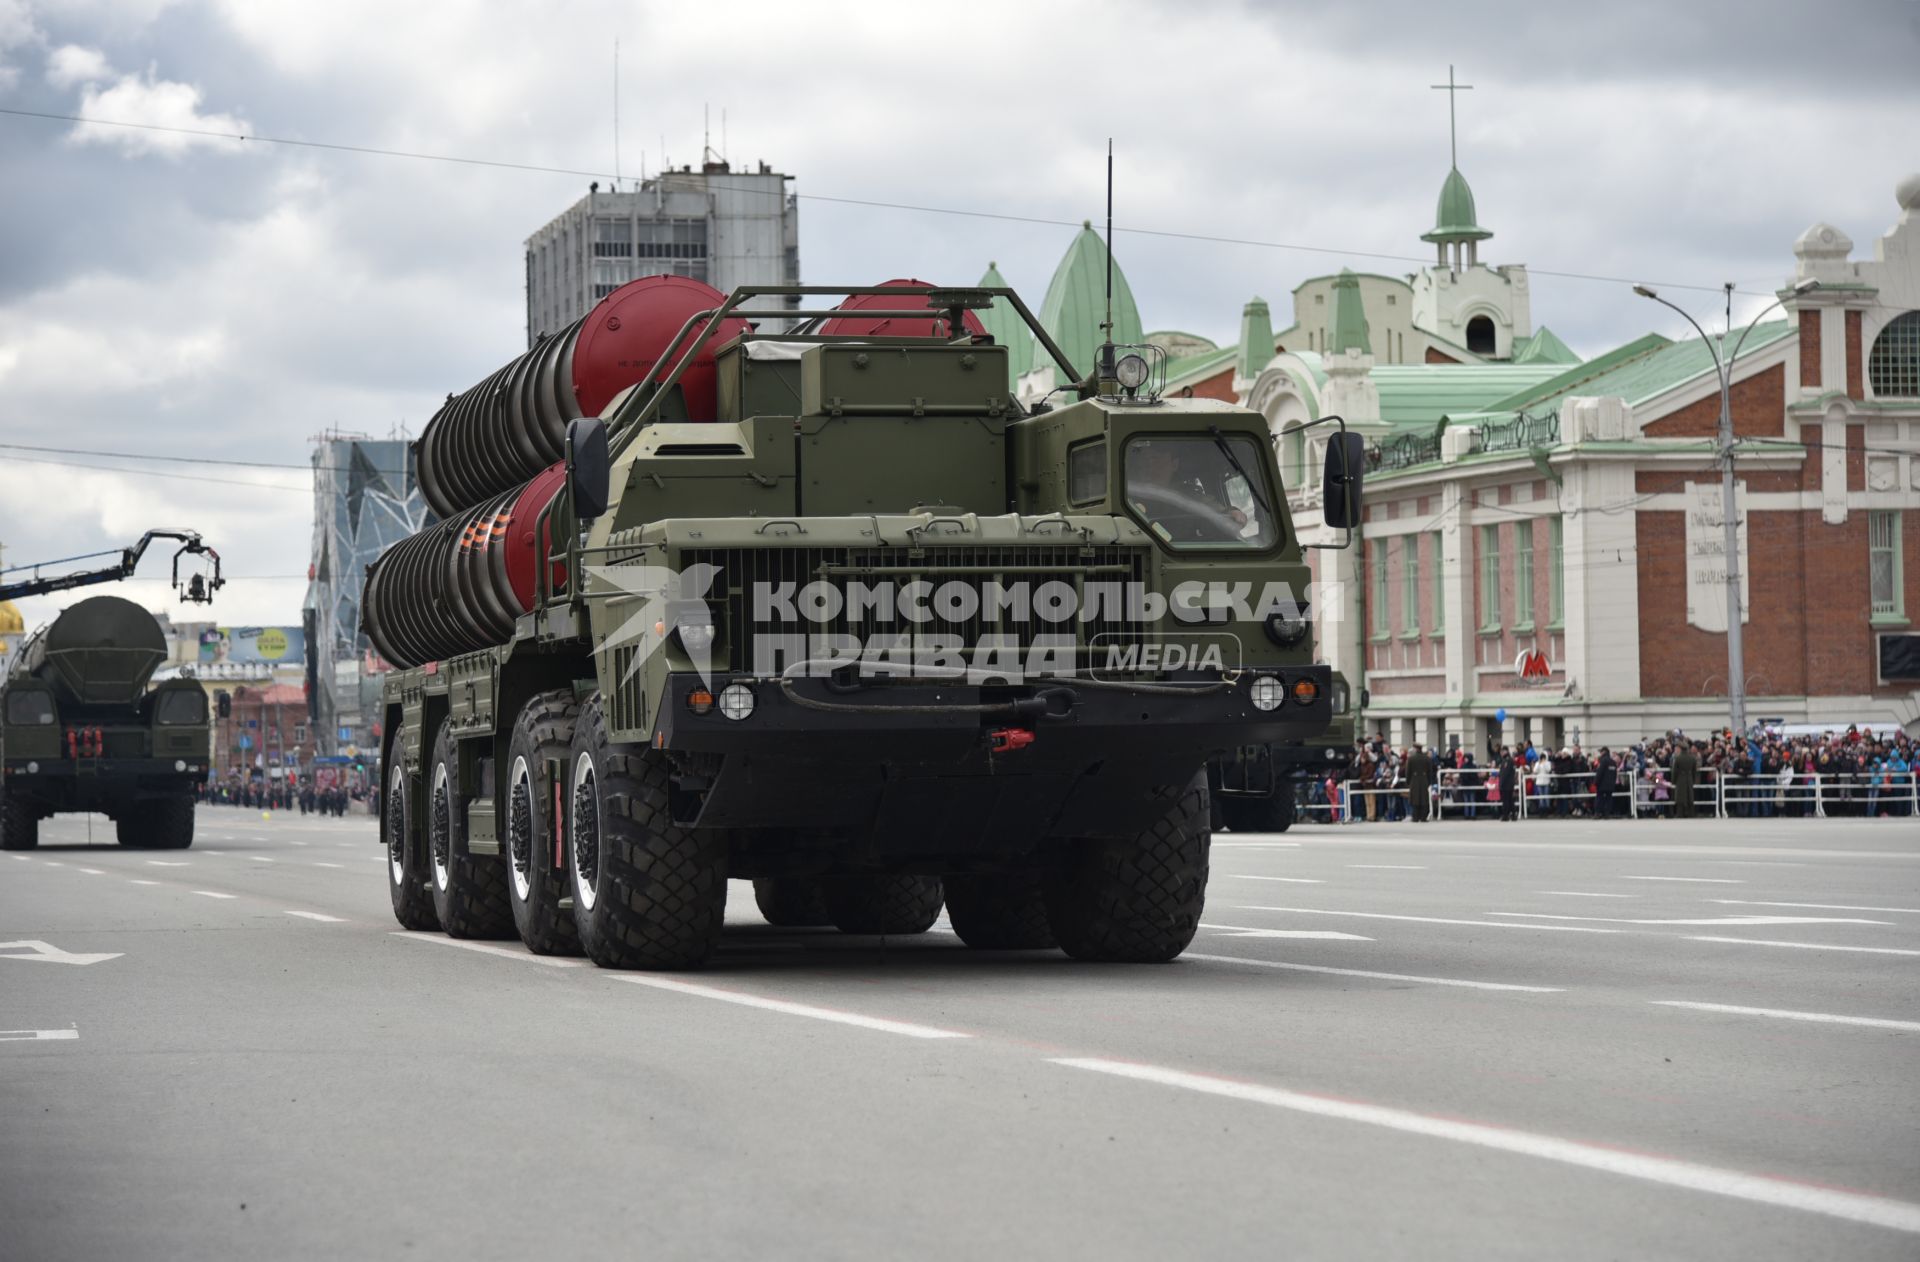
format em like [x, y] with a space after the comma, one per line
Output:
[1006, 740]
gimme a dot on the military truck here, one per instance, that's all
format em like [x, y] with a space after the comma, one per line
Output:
[81, 730]
[828, 610]
[1257, 788]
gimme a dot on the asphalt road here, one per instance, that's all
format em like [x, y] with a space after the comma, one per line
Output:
[1544, 1040]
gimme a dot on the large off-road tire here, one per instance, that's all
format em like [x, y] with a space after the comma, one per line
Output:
[647, 893]
[1259, 815]
[1138, 900]
[536, 888]
[999, 912]
[792, 902]
[19, 822]
[157, 824]
[469, 890]
[408, 882]
[889, 902]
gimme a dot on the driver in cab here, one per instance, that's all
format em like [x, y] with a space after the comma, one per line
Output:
[1182, 504]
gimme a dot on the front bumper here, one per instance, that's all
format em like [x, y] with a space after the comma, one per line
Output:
[918, 765]
[82, 782]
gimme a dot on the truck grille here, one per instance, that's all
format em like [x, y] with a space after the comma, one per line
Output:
[742, 571]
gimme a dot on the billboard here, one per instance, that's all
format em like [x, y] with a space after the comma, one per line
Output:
[272, 646]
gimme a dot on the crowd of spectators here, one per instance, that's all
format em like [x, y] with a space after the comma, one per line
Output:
[281, 796]
[1840, 772]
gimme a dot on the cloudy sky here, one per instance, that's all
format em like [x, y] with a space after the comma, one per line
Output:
[169, 295]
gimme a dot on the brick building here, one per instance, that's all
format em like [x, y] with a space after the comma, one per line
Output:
[265, 736]
[1545, 540]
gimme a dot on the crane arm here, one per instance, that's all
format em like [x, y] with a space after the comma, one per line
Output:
[197, 589]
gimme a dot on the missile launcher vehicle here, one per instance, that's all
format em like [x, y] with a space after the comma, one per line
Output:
[825, 608]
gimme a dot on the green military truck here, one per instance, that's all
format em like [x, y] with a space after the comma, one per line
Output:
[81, 730]
[1257, 788]
[828, 610]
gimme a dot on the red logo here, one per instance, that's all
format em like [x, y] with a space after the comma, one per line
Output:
[1532, 665]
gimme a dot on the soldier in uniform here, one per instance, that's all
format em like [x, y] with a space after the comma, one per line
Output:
[1686, 769]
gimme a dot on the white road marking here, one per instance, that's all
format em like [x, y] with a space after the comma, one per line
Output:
[163, 863]
[20, 858]
[54, 863]
[329, 865]
[1290, 880]
[1743, 902]
[93, 871]
[1689, 880]
[297, 843]
[1392, 867]
[218, 852]
[137, 881]
[314, 915]
[259, 858]
[47, 953]
[1240, 931]
[1807, 946]
[14, 1036]
[214, 894]
[1583, 894]
[523, 955]
[1429, 920]
[1361, 972]
[1708, 920]
[1281, 845]
[797, 1009]
[1856, 1207]
[1879, 1023]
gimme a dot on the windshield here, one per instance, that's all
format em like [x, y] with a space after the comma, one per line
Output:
[1201, 491]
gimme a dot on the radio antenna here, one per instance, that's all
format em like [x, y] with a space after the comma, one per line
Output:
[616, 115]
[1106, 379]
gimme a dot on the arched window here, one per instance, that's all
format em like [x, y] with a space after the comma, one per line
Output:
[1480, 337]
[1894, 367]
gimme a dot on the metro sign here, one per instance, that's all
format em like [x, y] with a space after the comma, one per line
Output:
[1532, 667]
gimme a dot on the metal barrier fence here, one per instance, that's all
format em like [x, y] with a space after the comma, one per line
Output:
[1472, 793]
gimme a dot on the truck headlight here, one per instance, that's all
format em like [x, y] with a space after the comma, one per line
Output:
[1287, 630]
[1267, 692]
[736, 701]
[33, 768]
[179, 764]
[1305, 692]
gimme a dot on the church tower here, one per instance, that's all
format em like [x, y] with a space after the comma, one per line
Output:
[1478, 309]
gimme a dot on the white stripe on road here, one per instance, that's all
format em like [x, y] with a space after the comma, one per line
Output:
[214, 894]
[523, 955]
[1878, 1023]
[1241, 931]
[20, 857]
[796, 1009]
[329, 865]
[1689, 880]
[1859, 1207]
[1290, 880]
[140, 882]
[1703, 920]
[54, 863]
[93, 871]
[162, 863]
[1431, 920]
[1392, 867]
[1583, 894]
[15, 1036]
[314, 915]
[259, 858]
[1361, 972]
[1807, 946]
[1282, 845]
[1743, 902]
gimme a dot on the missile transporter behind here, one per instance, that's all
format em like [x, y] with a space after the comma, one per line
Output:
[80, 730]
[829, 611]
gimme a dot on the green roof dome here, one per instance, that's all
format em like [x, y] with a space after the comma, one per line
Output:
[1007, 328]
[1076, 303]
[1453, 220]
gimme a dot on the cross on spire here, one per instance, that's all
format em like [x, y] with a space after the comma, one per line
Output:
[1452, 90]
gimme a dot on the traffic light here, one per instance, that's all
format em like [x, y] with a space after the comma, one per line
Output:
[224, 702]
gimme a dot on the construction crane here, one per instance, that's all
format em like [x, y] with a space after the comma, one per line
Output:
[196, 588]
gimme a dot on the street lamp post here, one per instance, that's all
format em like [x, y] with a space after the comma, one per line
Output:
[1723, 368]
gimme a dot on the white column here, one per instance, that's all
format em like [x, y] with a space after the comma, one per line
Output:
[1599, 582]
[1833, 349]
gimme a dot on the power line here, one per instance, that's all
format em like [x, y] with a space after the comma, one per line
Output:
[536, 168]
[199, 478]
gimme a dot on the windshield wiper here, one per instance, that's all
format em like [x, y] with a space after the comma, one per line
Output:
[1253, 488]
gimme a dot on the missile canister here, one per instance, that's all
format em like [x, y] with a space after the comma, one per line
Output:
[102, 650]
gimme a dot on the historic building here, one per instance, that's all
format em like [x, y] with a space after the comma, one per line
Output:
[1544, 542]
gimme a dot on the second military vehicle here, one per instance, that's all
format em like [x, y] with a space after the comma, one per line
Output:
[80, 730]
[1258, 788]
[827, 609]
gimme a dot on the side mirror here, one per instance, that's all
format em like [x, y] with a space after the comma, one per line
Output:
[1340, 481]
[589, 467]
